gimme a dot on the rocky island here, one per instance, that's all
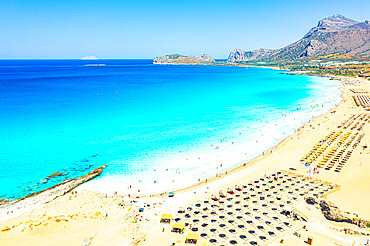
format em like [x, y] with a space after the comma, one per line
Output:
[177, 59]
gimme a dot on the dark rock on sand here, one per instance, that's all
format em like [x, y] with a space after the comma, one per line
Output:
[333, 213]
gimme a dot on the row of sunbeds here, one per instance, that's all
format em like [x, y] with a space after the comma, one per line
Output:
[362, 100]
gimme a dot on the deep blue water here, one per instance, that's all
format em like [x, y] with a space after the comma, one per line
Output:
[147, 122]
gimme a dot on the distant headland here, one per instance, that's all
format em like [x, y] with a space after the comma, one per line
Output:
[333, 37]
[336, 46]
[180, 59]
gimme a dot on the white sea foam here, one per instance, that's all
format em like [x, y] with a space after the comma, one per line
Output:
[179, 170]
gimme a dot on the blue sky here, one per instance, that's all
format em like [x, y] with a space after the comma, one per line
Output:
[145, 29]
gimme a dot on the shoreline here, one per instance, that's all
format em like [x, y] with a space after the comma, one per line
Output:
[44, 196]
[258, 158]
[82, 217]
[244, 163]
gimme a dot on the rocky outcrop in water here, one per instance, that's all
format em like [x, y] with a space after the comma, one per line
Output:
[51, 193]
[55, 175]
[180, 59]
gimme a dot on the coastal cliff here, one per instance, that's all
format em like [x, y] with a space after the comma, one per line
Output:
[239, 55]
[180, 59]
[335, 34]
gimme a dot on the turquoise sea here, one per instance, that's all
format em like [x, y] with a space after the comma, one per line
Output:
[158, 127]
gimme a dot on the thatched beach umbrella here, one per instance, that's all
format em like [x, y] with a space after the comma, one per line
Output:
[229, 200]
[243, 237]
[222, 225]
[195, 228]
[198, 204]
[241, 226]
[214, 218]
[232, 230]
[263, 238]
[222, 234]
[287, 224]
[214, 199]
[268, 223]
[205, 224]
[253, 242]
[187, 222]
[260, 227]
[213, 239]
[230, 191]
[204, 234]
[222, 217]
[234, 241]
[279, 228]
[231, 221]
[214, 205]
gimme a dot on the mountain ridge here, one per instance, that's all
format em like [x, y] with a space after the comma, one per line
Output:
[333, 34]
